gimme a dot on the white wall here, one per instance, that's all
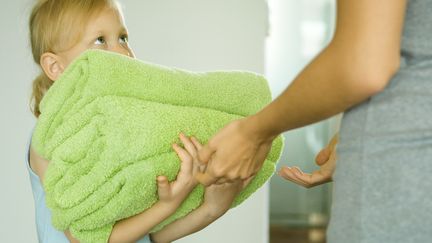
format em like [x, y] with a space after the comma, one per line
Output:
[16, 68]
[298, 31]
[193, 34]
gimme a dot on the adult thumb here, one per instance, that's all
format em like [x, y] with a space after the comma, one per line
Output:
[205, 154]
[205, 179]
[323, 156]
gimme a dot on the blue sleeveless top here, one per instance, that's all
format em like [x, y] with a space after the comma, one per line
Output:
[45, 230]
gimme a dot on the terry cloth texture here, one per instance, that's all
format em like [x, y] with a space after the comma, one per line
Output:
[107, 125]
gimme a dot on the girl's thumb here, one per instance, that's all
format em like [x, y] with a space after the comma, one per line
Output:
[163, 186]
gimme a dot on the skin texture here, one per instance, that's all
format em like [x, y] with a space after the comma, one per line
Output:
[325, 159]
[217, 200]
[358, 63]
[107, 31]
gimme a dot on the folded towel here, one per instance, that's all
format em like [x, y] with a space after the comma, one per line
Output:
[107, 125]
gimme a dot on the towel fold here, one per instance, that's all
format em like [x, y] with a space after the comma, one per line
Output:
[107, 125]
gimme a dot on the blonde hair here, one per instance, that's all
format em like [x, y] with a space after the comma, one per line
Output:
[55, 25]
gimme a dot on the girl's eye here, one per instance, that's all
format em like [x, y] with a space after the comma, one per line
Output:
[124, 39]
[100, 40]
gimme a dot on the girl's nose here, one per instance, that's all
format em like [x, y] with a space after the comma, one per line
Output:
[122, 50]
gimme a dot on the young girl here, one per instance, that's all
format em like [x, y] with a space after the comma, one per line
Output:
[60, 31]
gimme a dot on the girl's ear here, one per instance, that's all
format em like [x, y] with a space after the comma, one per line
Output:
[51, 65]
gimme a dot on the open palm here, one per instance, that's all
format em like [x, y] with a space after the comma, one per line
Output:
[326, 159]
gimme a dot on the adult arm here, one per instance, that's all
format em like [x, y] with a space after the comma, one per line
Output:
[358, 63]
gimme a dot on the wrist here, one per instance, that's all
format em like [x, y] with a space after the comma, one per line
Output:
[256, 126]
[187, 189]
[168, 207]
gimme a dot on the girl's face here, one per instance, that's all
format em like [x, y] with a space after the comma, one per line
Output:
[105, 31]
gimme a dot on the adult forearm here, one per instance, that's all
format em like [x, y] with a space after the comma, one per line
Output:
[191, 223]
[133, 228]
[330, 84]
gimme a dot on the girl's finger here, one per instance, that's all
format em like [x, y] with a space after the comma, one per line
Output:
[197, 144]
[190, 147]
[202, 168]
[185, 158]
[182, 154]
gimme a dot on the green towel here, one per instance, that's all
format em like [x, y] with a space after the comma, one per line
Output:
[107, 125]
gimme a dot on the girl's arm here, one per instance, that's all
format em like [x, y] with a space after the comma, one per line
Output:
[359, 61]
[217, 200]
[171, 195]
[134, 228]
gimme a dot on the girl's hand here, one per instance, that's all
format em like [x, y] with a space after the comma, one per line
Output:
[326, 159]
[175, 192]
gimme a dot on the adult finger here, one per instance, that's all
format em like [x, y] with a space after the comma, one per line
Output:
[334, 140]
[313, 179]
[205, 153]
[303, 177]
[205, 178]
[287, 173]
[323, 156]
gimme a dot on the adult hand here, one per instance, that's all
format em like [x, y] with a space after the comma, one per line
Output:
[326, 159]
[236, 152]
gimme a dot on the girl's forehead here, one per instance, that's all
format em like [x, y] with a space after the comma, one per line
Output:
[108, 18]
